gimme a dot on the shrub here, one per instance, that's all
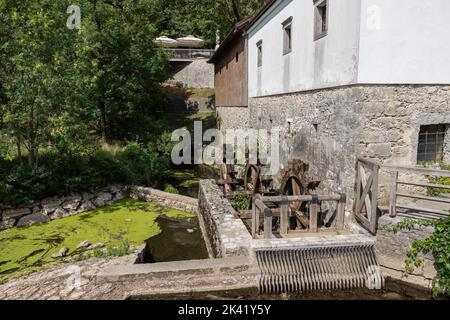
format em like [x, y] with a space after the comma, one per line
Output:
[439, 180]
[59, 175]
[241, 201]
[171, 189]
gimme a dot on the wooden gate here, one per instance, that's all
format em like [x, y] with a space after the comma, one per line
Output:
[366, 194]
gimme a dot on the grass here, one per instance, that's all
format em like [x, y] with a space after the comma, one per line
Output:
[119, 227]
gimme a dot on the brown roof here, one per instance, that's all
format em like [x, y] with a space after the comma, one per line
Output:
[239, 28]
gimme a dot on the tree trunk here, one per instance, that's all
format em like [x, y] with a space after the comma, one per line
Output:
[103, 122]
[19, 152]
[237, 14]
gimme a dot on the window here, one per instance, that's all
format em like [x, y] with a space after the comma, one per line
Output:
[259, 46]
[320, 19]
[431, 143]
[287, 36]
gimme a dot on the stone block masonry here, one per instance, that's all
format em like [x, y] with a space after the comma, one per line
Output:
[224, 234]
[392, 248]
[330, 128]
[233, 117]
[193, 74]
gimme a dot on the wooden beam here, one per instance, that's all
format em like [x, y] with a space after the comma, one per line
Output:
[340, 217]
[434, 199]
[373, 219]
[365, 195]
[307, 198]
[313, 215]
[424, 171]
[284, 217]
[268, 224]
[393, 195]
[425, 185]
[255, 222]
[418, 209]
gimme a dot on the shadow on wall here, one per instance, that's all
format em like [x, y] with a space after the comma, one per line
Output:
[187, 100]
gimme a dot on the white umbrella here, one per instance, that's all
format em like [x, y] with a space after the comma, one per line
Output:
[166, 42]
[190, 42]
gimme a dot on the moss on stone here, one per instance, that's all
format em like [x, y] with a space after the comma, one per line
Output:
[28, 249]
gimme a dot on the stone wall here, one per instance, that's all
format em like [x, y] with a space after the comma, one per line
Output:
[170, 200]
[330, 128]
[193, 74]
[224, 234]
[233, 117]
[60, 207]
[392, 248]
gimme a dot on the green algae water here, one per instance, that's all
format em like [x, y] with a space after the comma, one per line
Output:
[131, 222]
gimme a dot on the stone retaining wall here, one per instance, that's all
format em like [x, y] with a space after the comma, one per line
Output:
[170, 200]
[60, 207]
[193, 74]
[224, 234]
[392, 248]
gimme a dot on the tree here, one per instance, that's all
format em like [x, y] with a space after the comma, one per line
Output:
[58, 85]
[202, 17]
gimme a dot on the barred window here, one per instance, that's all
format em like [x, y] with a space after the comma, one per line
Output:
[431, 143]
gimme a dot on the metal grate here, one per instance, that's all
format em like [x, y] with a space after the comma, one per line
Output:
[431, 143]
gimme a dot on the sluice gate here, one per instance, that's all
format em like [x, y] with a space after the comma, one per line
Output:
[328, 267]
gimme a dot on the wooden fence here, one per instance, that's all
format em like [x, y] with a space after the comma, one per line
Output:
[417, 211]
[261, 210]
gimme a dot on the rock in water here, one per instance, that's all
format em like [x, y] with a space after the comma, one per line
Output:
[62, 253]
[84, 245]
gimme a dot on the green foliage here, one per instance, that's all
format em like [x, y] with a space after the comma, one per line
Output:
[202, 17]
[171, 189]
[121, 250]
[439, 180]
[438, 243]
[241, 201]
[133, 164]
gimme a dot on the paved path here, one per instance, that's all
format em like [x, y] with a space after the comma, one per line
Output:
[66, 282]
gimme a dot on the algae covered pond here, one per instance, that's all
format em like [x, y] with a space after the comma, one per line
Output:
[118, 227]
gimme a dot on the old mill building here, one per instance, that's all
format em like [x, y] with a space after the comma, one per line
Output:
[344, 79]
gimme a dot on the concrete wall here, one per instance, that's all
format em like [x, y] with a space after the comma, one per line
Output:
[329, 61]
[194, 74]
[331, 128]
[405, 41]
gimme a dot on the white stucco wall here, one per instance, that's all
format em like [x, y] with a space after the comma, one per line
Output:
[368, 42]
[405, 41]
[327, 62]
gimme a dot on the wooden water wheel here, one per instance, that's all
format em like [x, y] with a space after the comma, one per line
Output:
[252, 179]
[228, 179]
[292, 186]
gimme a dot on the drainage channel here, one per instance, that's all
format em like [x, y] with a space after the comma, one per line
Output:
[179, 240]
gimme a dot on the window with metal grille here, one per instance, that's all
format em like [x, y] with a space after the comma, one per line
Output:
[431, 143]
